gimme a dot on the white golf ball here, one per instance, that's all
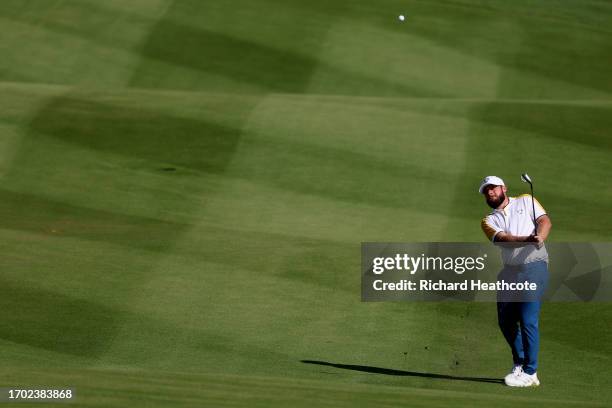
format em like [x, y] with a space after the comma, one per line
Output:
[401, 17]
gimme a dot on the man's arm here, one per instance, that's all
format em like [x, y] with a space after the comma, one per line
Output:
[507, 237]
[542, 221]
[544, 226]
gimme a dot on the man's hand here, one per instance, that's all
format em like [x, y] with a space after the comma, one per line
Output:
[537, 239]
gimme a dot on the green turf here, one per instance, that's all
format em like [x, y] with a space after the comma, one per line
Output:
[186, 184]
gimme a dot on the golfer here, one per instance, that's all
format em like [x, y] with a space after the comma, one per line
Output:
[511, 226]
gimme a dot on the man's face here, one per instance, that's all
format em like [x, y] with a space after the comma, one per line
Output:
[495, 195]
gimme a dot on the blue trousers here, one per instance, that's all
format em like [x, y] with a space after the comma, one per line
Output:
[518, 314]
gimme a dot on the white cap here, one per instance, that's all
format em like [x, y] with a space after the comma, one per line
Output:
[491, 180]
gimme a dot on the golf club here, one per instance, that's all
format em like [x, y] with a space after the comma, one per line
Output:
[526, 179]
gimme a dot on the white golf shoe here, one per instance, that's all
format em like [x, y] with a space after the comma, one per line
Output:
[522, 379]
[516, 370]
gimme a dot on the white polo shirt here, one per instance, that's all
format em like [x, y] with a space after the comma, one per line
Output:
[516, 219]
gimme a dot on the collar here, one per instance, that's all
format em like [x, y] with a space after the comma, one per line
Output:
[503, 210]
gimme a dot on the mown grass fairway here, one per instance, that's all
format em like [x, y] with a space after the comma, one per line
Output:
[186, 184]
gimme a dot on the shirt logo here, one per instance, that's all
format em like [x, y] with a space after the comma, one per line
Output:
[520, 211]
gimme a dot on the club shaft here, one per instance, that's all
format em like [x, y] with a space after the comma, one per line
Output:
[535, 223]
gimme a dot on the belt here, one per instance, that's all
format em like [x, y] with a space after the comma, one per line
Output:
[521, 267]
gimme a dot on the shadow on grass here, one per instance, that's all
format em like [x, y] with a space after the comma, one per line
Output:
[140, 133]
[522, 40]
[588, 125]
[242, 60]
[52, 218]
[249, 62]
[401, 373]
[52, 321]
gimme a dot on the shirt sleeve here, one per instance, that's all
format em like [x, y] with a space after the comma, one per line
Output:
[539, 210]
[489, 228]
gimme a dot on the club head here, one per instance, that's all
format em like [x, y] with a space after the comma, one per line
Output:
[525, 178]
